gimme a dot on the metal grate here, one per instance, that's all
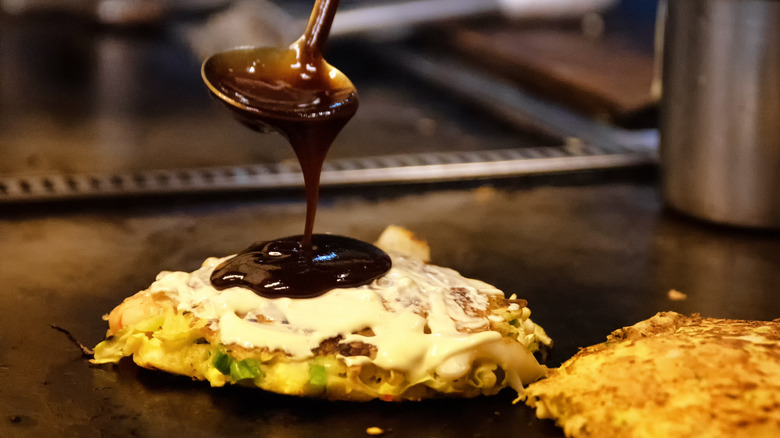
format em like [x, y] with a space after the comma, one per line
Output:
[584, 145]
[388, 169]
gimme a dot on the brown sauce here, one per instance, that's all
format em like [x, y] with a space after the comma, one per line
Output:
[282, 267]
[295, 92]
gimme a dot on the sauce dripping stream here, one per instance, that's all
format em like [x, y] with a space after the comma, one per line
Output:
[295, 92]
[311, 151]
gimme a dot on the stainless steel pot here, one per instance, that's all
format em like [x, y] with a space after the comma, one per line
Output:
[720, 123]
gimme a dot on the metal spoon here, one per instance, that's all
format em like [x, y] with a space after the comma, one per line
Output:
[290, 90]
[269, 88]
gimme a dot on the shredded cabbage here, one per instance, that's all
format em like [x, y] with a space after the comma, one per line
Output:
[180, 343]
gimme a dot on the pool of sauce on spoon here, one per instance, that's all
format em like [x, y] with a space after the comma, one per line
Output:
[295, 92]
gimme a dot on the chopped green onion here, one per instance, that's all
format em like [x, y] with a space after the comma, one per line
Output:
[236, 369]
[245, 369]
[222, 362]
[318, 375]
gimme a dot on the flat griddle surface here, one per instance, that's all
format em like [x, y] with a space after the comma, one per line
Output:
[589, 258]
[590, 252]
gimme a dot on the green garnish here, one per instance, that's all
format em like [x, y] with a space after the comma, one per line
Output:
[245, 369]
[318, 375]
[236, 369]
[222, 362]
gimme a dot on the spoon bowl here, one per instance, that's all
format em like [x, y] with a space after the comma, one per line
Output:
[267, 88]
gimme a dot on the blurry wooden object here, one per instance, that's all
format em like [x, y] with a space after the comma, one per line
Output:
[604, 78]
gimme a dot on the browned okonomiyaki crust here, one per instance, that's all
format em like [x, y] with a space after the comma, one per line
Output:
[670, 376]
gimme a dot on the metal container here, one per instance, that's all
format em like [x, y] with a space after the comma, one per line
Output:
[720, 123]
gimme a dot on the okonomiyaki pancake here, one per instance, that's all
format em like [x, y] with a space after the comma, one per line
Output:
[669, 376]
[416, 332]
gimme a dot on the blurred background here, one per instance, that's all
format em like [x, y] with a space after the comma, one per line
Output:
[104, 98]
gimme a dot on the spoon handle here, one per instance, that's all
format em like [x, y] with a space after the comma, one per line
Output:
[318, 28]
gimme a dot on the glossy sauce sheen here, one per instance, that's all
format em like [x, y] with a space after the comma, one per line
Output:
[295, 92]
[277, 89]
[282, 267]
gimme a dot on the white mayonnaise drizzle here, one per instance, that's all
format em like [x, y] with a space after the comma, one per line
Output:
[419, 326]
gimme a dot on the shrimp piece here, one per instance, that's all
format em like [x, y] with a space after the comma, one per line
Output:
[137, 308]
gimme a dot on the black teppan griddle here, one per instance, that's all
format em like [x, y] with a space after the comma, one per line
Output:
[589, 258]
[591, 251]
